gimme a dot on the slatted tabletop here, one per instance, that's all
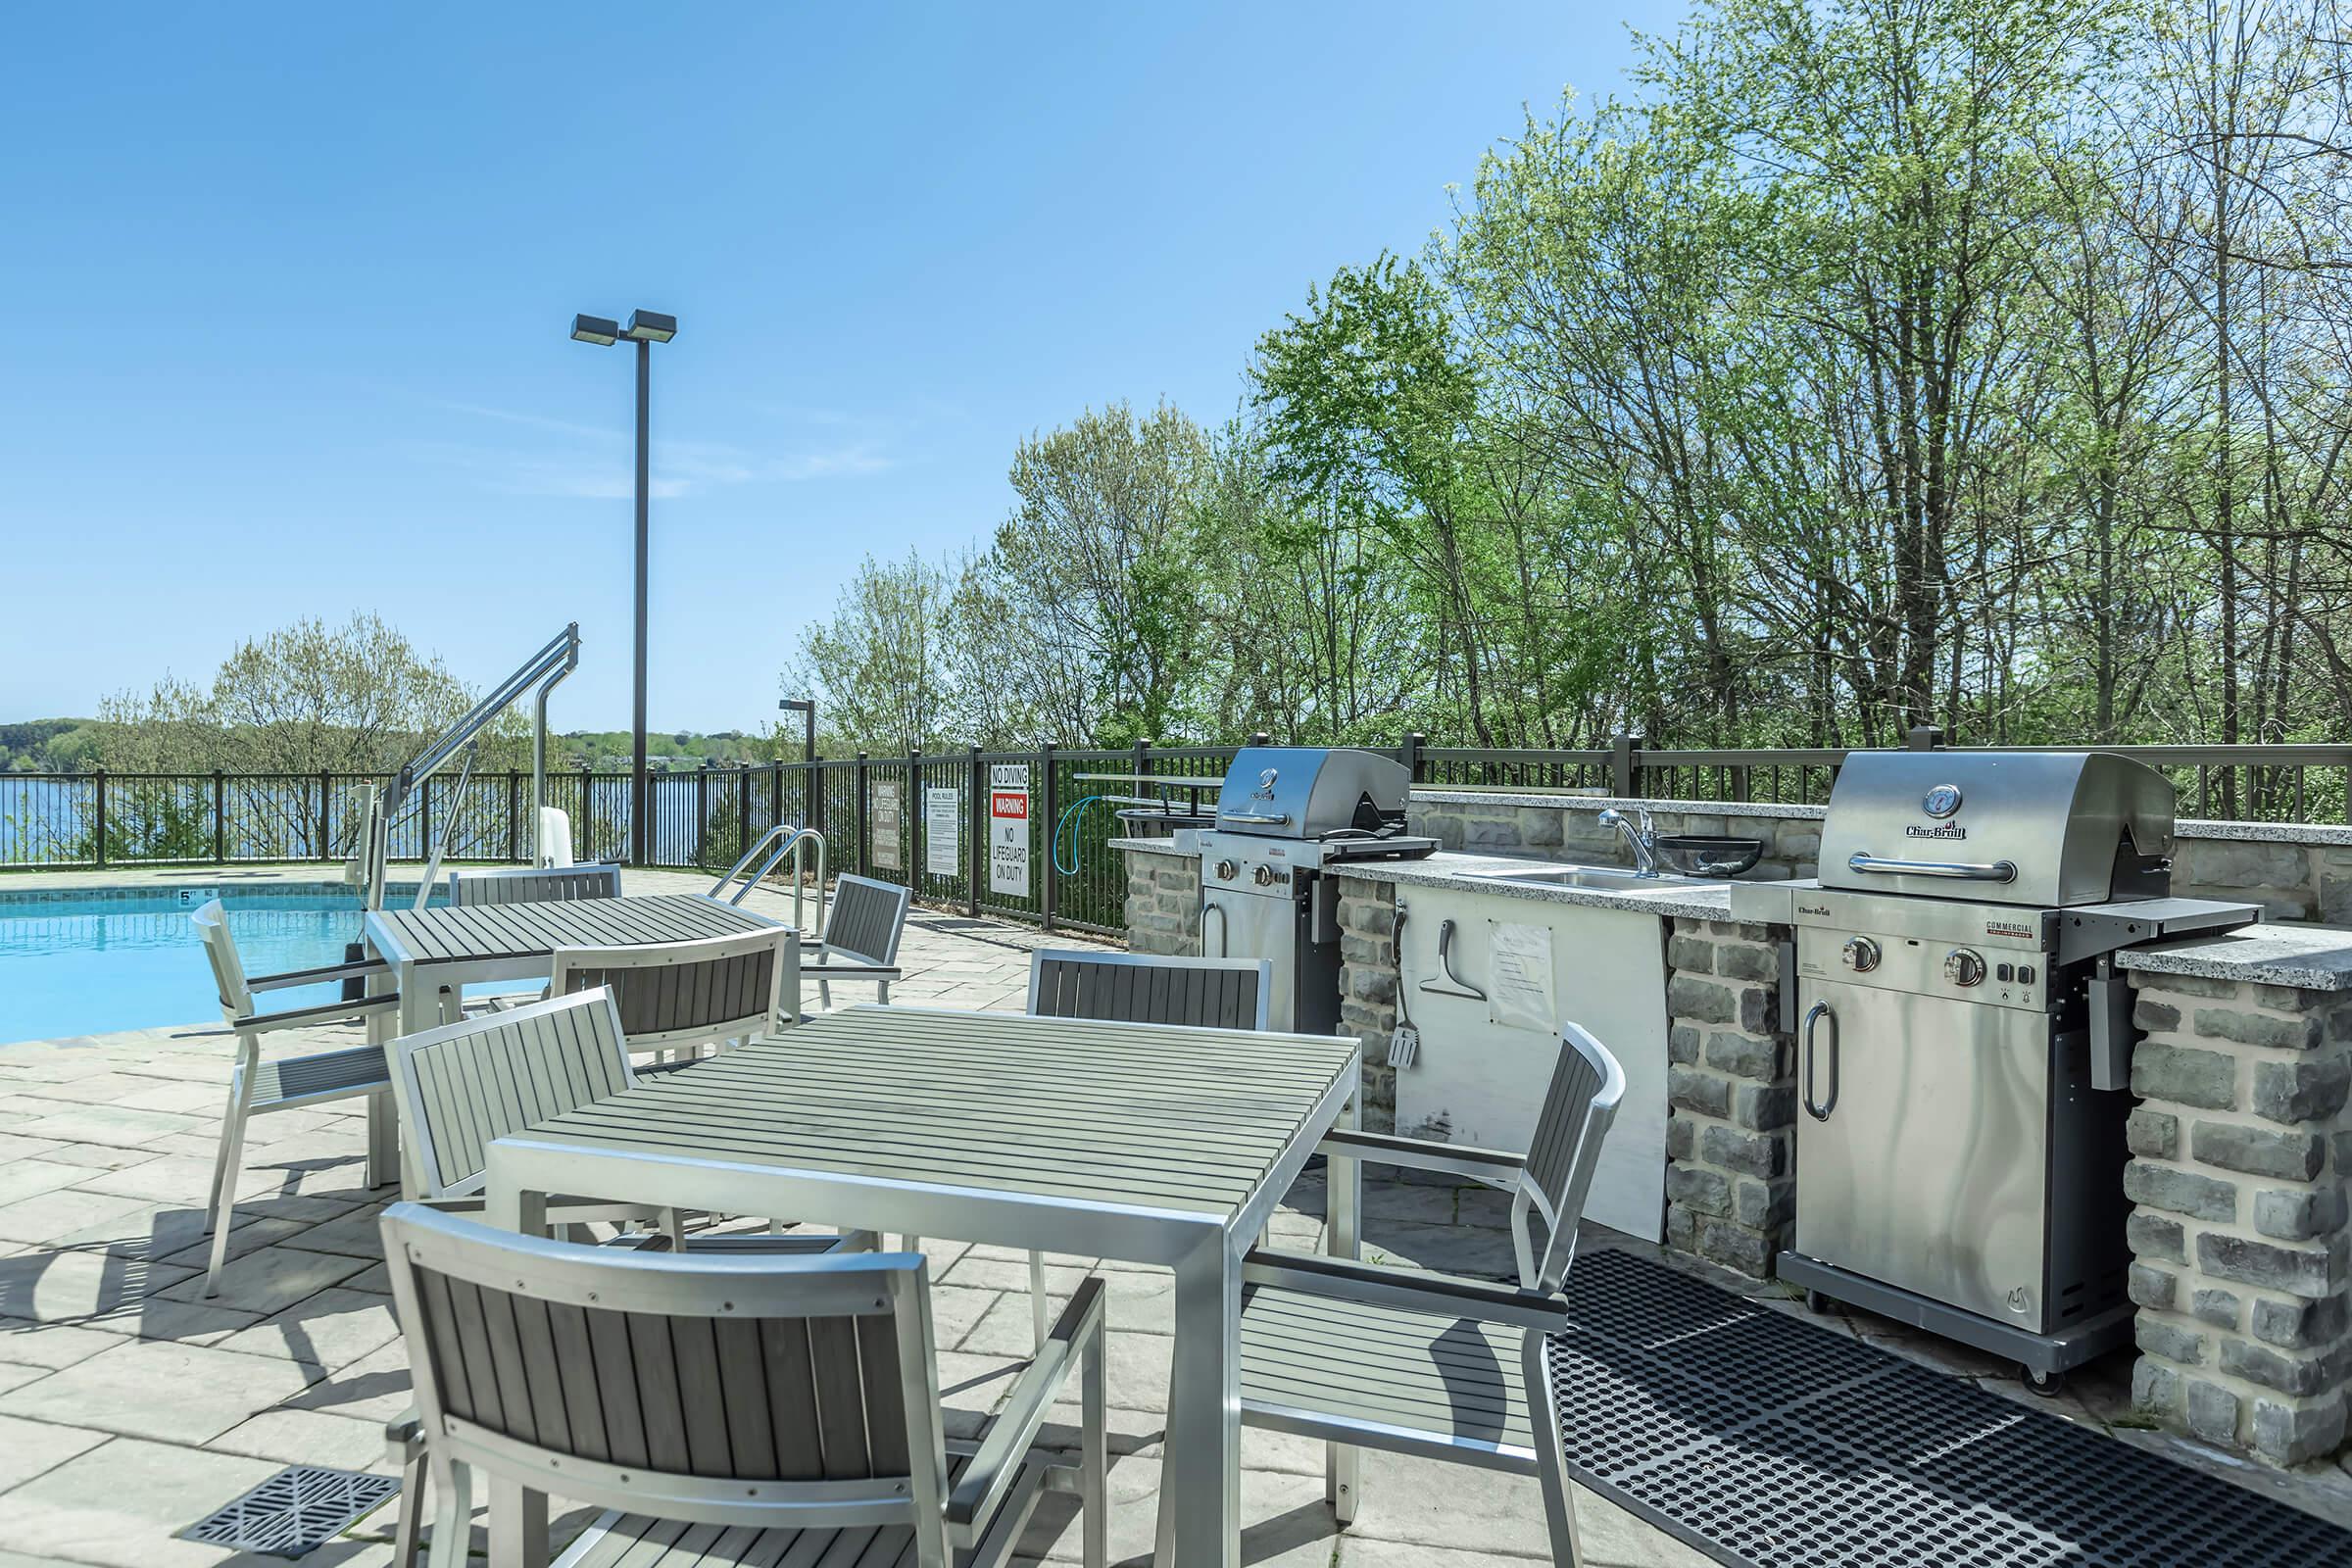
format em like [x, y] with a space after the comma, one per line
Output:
[505, 931]
[1106, 1116]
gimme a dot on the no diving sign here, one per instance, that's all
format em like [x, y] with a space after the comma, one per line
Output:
[1009, 828]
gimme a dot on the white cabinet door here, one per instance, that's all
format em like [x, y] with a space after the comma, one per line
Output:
[1480, 1082]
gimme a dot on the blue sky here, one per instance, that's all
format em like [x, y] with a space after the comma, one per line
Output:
[289, 290]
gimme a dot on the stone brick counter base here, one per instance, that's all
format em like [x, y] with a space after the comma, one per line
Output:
[2240, 1150]
[1731, 1089]
[1369, 989]
[1163, 904]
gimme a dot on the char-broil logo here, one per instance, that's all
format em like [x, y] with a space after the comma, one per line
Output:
[1813, 908]
[1265, 784]
[1941, 830]
[1941, 801]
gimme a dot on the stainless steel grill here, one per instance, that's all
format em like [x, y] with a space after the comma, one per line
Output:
[1964, 1039]
[1286, 814]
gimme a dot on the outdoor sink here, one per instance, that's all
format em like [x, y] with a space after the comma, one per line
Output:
[1616, 878]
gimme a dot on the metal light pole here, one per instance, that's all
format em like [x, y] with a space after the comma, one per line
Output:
[645, 330]
[806, 706]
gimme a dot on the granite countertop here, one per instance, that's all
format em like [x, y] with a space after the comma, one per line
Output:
[2309, 958]
[1668, 898]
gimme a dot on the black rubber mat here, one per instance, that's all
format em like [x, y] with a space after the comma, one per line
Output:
[1769, 1441]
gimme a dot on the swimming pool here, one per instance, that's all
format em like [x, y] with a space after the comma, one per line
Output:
[100, 960]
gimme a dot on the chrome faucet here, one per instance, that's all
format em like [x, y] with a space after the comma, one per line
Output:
[1642, 839]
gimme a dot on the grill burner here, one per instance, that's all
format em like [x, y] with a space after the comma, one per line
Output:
[1964, 1039]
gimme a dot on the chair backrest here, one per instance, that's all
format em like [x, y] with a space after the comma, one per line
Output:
[866, 918]
[670, 993]
[1587, 1083]
[527, 884]
[461, 1084]
[1134, 988]
[772, 1392]
[229, 969]
[555, 837]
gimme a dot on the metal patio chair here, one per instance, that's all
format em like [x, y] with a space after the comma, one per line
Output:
[466, 1083]
[1365, 1355]
[725, 1410]
[1134, 988]
[527, 884]
[256, 1088]
[676, 997]
[863, 927]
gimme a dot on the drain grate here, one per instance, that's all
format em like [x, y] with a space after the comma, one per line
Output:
[302, 1507]
[1768, 1442]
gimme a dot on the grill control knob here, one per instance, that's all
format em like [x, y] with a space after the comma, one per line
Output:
[1963, 968]
[1227, 870]
[1861, 955]
[1263, 876]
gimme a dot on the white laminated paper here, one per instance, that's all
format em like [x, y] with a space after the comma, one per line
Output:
[1519, 990]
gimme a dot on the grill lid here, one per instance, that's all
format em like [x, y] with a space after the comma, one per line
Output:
[1306, 791]
[2047, 828]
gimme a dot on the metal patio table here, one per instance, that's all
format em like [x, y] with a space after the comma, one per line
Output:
[431, 950]
[1145, 1143]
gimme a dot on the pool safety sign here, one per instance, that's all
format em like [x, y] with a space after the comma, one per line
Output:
[942, 830]
[1009, 828]
[886, 825]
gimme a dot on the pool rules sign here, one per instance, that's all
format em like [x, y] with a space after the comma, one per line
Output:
[1009, 828]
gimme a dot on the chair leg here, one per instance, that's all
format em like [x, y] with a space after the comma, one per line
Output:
[676, 1228]
[911, 1244]
[409, 1529]
[232, 1162]
[882, 993]
[452, 1521]
[1552, 1464]
[1037, 1298]
[824, 995]
[1093, 1453]
[228, 1116]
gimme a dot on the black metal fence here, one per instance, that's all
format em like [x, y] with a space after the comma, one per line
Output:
[927, 819]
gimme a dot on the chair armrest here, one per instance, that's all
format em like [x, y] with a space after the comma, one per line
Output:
[311, 977]
[260, 1023]
[997, 1464]
[851, 971]
[1410, 1290]
[1489, 1165]
[404, 1433]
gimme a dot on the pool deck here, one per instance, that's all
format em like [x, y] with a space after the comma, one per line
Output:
[130, 1405]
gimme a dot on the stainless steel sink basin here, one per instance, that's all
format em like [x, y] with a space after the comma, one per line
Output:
[1616, 878]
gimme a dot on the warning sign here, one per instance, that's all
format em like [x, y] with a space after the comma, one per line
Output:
[887, 822]
[1009, 828]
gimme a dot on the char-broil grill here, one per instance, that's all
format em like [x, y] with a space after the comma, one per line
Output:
[1286, 814]
[1964, 1044]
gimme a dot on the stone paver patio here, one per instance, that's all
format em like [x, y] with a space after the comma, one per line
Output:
[130, 1405]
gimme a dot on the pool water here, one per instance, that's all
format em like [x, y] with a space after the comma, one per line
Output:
[88, 965]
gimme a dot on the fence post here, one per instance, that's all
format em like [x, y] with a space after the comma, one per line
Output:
[98, 818]
[1923, 738]
[1260, 738]
[863, 808]
[1047, 800]
[219, 819]
[515, 815]
[1409, 754]
[326, 794]
[976, 861]
[776, 790]
[910, 817]
[812, 794]
[1625, 752]
[701, 818]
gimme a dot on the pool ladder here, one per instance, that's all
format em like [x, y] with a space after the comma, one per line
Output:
[788, 840]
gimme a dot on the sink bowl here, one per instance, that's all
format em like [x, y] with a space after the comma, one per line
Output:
[1614, 877]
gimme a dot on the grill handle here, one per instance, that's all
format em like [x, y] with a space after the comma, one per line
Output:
[1257, 818]
[1963, 870]
[1224, 930]
[1813, 1017]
